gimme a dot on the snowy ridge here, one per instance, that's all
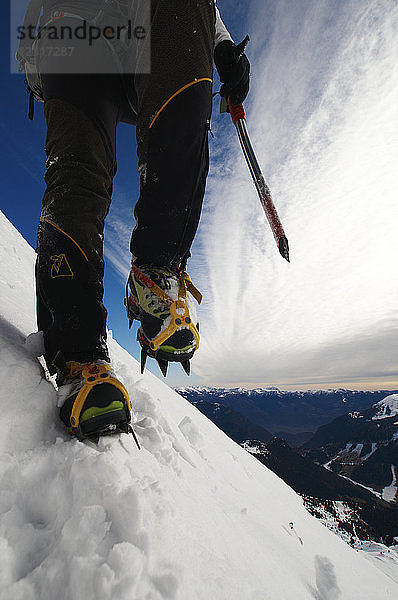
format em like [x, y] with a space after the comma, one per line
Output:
[261, 390]
[169, 522]
[387, 408]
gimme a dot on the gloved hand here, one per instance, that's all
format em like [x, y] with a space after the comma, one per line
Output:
[234, 69]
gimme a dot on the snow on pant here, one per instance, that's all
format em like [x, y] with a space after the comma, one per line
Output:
[173, 104]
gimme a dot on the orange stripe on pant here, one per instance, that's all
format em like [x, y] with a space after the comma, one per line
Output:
[67, 235]
[184, 87]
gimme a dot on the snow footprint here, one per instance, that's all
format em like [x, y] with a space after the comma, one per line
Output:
[190, 432]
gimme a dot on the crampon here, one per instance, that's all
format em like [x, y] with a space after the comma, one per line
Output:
[95, 403]
[169, 331]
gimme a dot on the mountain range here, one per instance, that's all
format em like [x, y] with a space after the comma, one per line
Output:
[294, 416]
[363, 446]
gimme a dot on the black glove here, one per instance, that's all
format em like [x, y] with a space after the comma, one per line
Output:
[234, 70]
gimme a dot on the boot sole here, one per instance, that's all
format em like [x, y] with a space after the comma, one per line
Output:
[109, 423]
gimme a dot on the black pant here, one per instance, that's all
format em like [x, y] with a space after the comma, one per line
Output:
[82, 113]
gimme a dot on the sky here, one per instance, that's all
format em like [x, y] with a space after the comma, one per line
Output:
[322, 114]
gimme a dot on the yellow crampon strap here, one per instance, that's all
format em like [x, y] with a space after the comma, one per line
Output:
[192, 289]
[180, 317]
[151, 285]
[94, 375]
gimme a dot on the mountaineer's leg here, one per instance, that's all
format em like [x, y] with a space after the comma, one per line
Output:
[174, 109]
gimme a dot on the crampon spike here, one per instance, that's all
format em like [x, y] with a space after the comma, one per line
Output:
[163, 365]
[121, 428]
[94, 439]
[144, 356]
[131, 430]
[186, 365]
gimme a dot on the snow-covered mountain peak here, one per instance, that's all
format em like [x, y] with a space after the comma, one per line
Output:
[388, 407]
[191, 516]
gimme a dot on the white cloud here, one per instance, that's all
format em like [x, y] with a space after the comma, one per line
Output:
[323, 118]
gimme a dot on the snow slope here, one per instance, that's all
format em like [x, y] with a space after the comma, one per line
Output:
[387, 408]
[191, 516]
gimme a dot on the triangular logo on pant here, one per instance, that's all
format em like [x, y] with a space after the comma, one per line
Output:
[60, 267]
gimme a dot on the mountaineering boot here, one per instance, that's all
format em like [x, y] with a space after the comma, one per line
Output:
[169, 331]
[95, 402]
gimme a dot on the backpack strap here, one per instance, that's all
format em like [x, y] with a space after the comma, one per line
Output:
[31, 19]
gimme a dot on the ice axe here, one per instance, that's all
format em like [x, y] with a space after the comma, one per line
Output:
[238, 119]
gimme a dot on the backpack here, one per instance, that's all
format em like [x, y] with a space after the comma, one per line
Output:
[109, 15]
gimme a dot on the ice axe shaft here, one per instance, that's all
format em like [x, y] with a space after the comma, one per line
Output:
[238, 119]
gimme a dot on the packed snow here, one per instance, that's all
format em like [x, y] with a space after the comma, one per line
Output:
[191, 516]
[372, 451]
[383, 557]
[358, 449]
[390, 492]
